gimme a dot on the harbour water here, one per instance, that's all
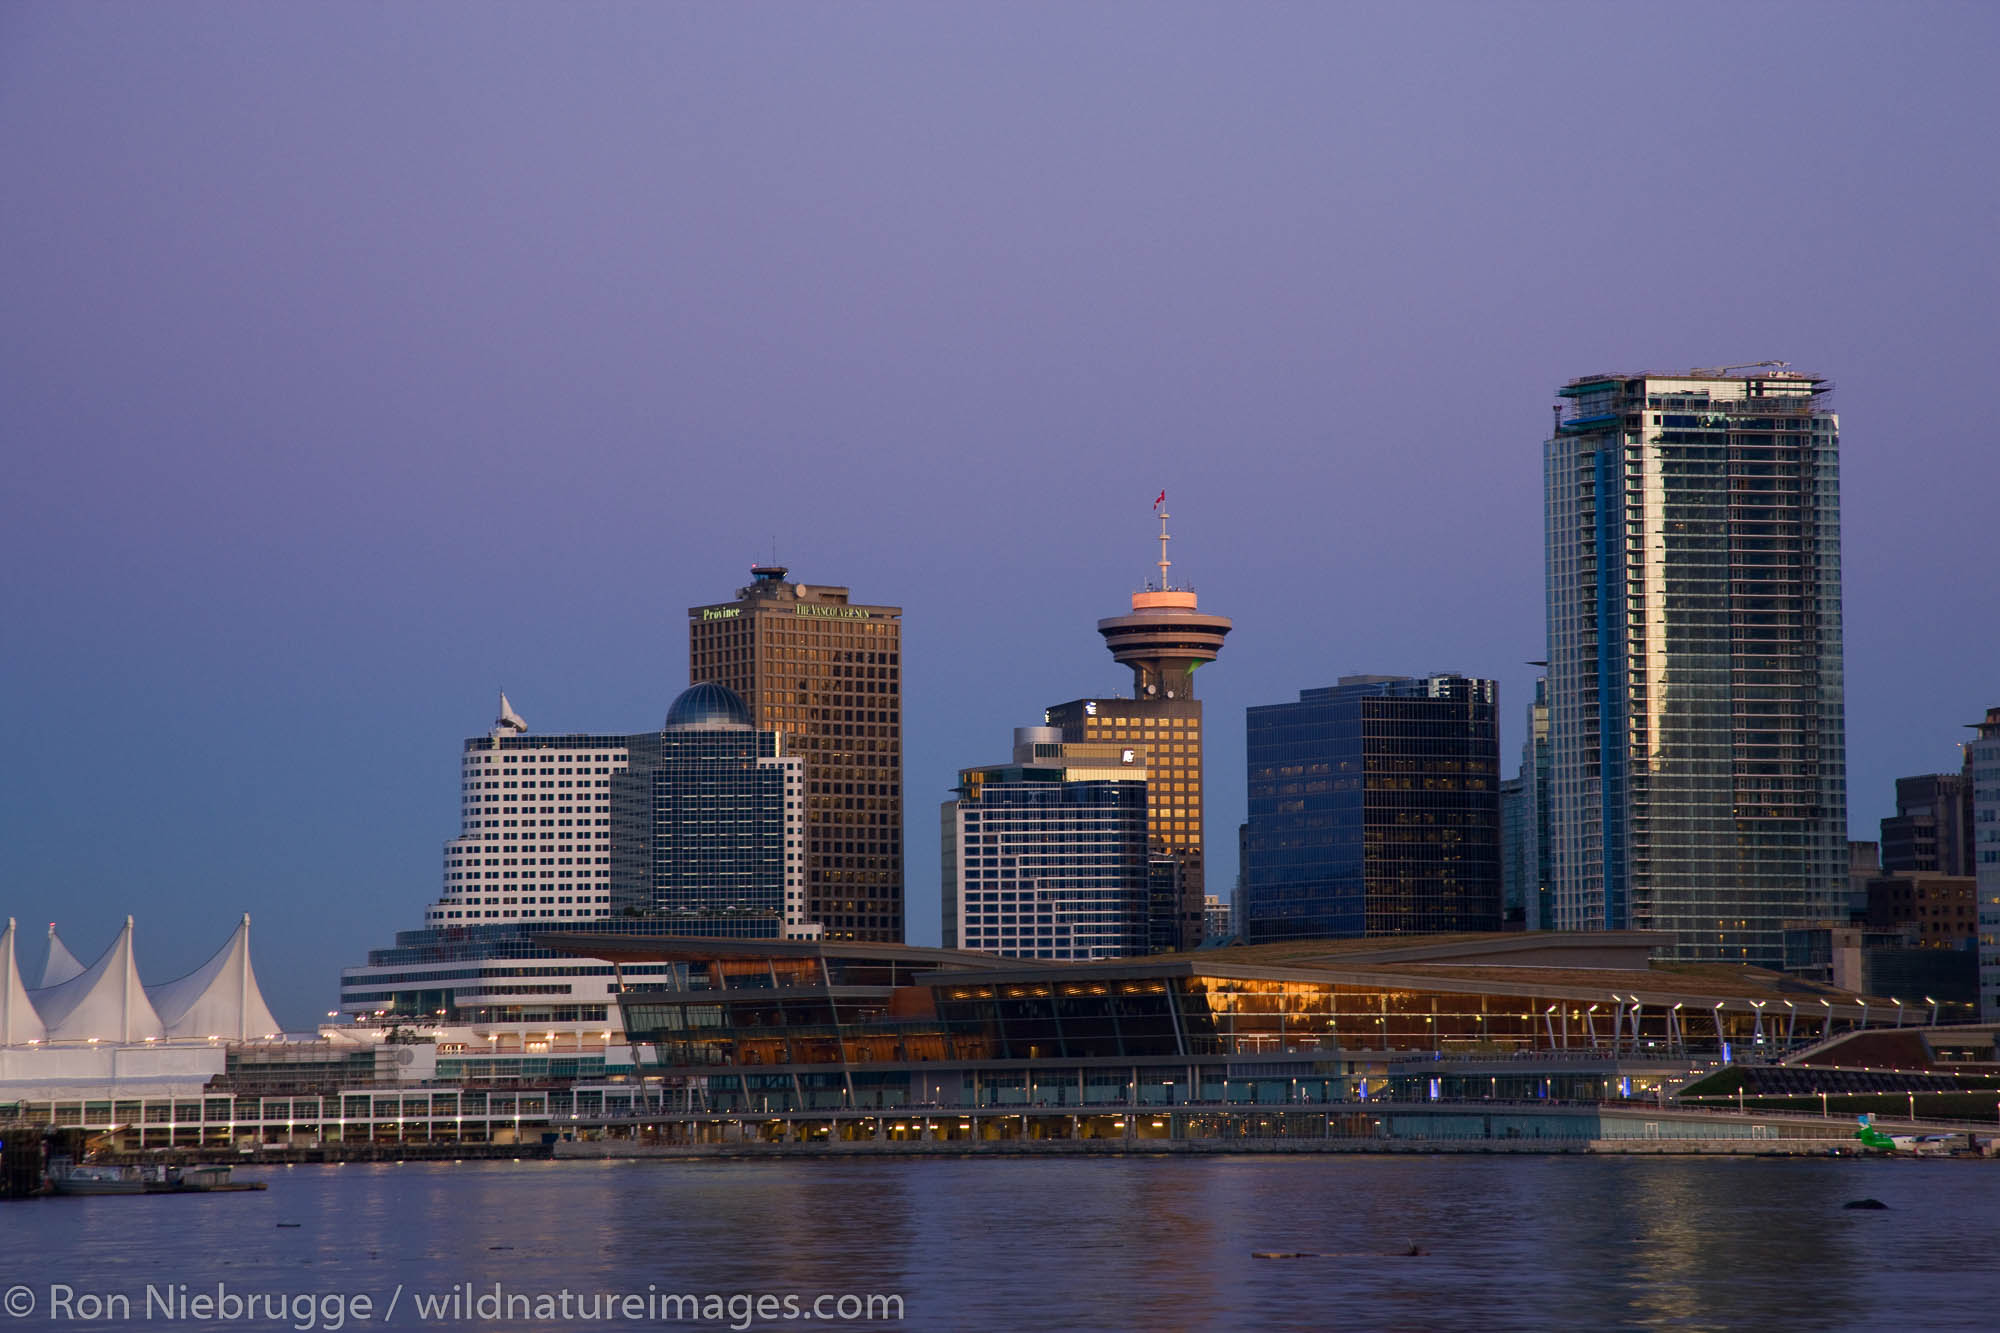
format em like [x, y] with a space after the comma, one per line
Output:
[1129, 1243]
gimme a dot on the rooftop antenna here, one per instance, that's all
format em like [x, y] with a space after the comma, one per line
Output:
[1159, 508]
[1718, 372]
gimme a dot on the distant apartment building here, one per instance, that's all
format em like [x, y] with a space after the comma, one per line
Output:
[1931, 831]
[1941, 909]
[1697, 733]
[1374, 809]
[1864, 862]
[1524, 823]
[826, 670]
[1215, 918]
[1515, 850]
[1047, 856]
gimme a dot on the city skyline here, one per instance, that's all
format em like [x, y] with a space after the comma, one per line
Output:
[304, 474]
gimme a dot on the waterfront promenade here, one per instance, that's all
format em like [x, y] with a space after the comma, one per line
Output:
[1485, 1126]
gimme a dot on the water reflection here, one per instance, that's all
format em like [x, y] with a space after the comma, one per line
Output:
[1117, 1243]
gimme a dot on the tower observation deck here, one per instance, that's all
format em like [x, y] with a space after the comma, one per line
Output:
[1166, 637]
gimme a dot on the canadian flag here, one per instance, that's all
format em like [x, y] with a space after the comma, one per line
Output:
[1157, 503]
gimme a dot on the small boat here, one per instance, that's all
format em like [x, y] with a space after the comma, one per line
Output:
[69, 1178]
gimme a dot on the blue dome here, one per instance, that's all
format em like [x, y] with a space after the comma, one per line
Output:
[708, 707]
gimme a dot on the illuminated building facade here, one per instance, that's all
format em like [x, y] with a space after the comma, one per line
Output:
[826, 671]
[1697, 732]
[777, 1027]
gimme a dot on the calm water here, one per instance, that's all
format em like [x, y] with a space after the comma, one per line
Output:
[1569, 1243]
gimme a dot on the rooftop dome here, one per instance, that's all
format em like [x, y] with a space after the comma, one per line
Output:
[708, 707]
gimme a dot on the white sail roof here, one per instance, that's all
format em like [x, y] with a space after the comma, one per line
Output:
[62, 964]
[19, 1023]
[219, 999]
[106, 1002]
[509, 720]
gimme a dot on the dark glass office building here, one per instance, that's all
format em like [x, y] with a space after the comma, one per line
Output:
[711, 828]
[1374, 810]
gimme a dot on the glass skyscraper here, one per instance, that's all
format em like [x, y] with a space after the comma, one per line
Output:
[1374, 810]
[1698, 780]
[1982, 765]
[709, 834]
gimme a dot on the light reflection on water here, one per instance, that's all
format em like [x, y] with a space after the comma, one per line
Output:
[1151, 1243]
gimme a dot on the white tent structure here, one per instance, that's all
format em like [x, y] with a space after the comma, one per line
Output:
[19, 1023]
[104, 1003]
[219, 999]
[62, 964]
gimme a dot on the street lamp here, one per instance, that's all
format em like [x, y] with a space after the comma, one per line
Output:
[1934, 1009]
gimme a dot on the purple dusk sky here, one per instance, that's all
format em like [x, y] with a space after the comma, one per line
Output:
[360, 360]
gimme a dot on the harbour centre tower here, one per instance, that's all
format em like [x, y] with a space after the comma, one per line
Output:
[1164, 639]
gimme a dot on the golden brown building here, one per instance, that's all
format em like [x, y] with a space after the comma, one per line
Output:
[826, 671]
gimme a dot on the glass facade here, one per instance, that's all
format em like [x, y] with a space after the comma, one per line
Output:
[1374, 810]
[723, 828]
[1697, 734]
[797, 1031]
[1515, 851]
[1982, 764]
[827, 672]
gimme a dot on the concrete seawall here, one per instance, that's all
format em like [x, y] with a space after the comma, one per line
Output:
[626, 1149]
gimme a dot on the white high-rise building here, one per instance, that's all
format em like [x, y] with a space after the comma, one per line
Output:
[1047, 857]
[1697, 734]
[536, 839]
